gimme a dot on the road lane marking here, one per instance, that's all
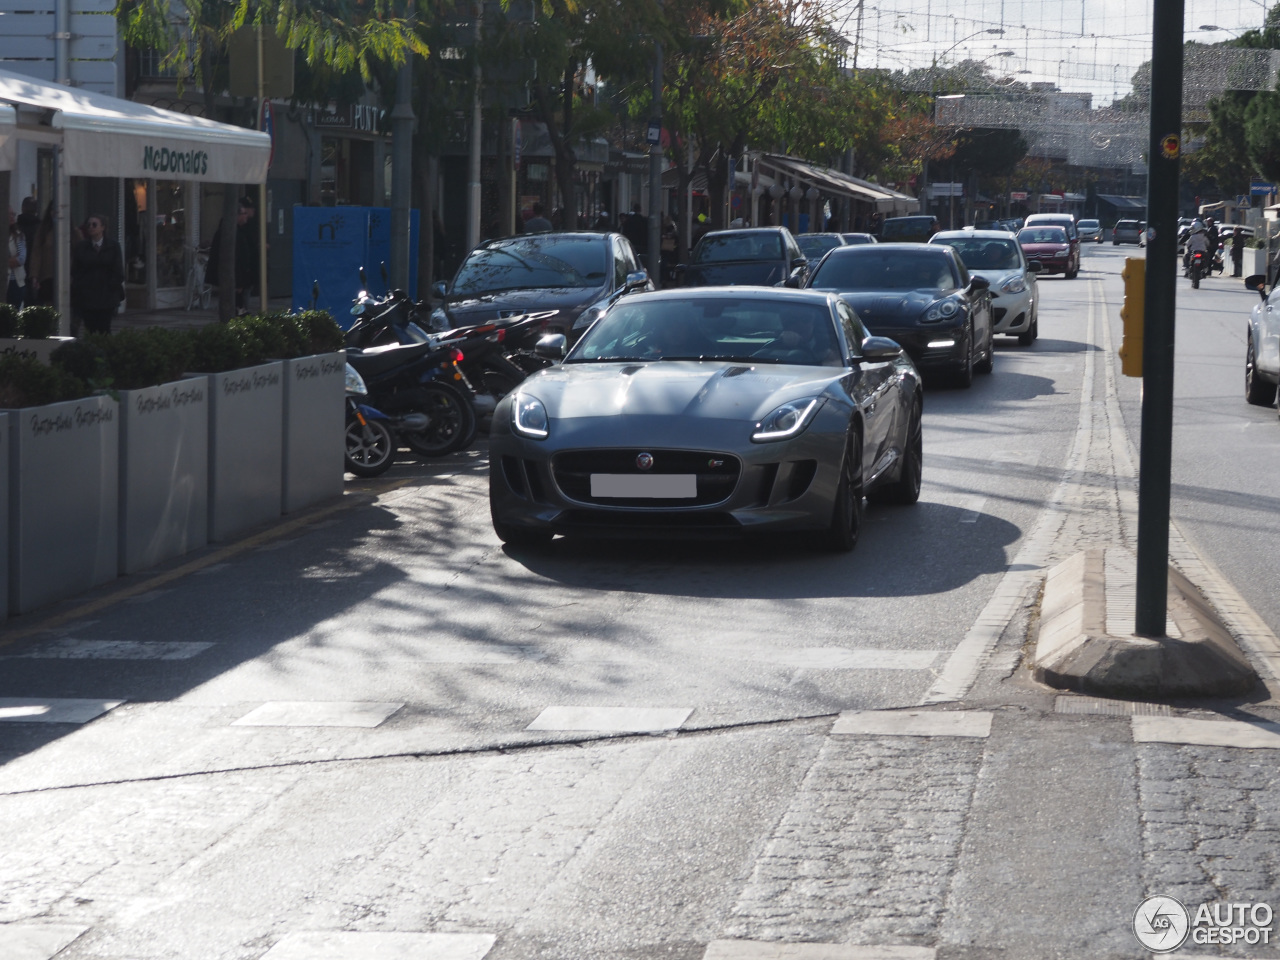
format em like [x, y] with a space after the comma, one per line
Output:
[71, 648]
[759, 950]
[377, 945]
[1207, 733]
[36, 941]
[318, 713]
[611, 719]
[913, 723]
[52, 710]
[972, 508]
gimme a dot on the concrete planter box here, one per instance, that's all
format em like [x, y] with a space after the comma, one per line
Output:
[246, 434]
[314, 392]
[63, 502]
[4, 515]
[1255, 262]
[36, 348]
[164, 472]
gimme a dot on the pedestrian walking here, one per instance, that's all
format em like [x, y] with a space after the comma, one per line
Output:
[636, 229]
[15, 289]
[1237, 252]
[97, 276]
[40, 263]
[247, 258]
[537, 223]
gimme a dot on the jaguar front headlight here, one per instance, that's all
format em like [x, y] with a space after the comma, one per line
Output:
[529, 417]
[787, 421]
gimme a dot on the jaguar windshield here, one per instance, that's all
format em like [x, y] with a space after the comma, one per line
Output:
[533, 262]
[746, 330]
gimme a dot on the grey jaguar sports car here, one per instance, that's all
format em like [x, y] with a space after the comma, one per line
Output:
[713, 412]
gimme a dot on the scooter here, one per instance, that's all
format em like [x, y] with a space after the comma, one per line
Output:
[370, 433]
[1196, 270]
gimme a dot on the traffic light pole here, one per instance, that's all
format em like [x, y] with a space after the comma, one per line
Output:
[1163, 153]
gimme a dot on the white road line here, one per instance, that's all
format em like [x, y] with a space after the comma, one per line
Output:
[972, 508]
[1207, 733]
[611, 719]
[71, 648]
[52, 710]
[758, 950]
[913, 723]
[318, 713]
[346, 945]
[966, 661]
[36, 941]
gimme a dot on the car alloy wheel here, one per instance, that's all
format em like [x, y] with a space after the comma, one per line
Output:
[847, 511]
[1256, 390]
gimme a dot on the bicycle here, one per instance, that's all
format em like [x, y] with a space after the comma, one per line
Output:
[199, 293]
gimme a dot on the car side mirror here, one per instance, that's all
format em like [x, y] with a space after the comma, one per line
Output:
[552, 347]
[979, 283]
[1257, 282]
[1035, 266]
[635, 280]
[439, 289]
[880, 348]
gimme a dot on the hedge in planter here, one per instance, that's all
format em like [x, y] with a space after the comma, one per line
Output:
[63, 454]
[29, 331]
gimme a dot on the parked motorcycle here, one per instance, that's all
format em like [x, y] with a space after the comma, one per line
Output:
[420, 378]
[371, 434]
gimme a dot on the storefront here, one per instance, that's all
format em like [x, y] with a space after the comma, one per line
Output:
[104, 146]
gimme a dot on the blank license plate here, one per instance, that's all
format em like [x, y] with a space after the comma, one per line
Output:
[665, 486]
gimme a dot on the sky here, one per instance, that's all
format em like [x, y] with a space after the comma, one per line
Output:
[1081, 45]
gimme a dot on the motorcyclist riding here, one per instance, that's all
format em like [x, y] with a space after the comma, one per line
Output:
[1197, 242]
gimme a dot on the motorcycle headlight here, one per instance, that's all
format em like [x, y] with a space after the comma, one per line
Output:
[943, 310]
[1014, 284]
[588, 317]
[529, 416]
[787, 421]
[355, 382]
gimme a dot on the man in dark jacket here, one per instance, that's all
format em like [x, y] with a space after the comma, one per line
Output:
[247, 255]
[97, 276]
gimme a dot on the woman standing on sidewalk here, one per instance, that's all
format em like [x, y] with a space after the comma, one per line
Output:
[97, 276]
[17, 272]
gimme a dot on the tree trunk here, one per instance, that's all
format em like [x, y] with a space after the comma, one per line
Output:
[561, 136]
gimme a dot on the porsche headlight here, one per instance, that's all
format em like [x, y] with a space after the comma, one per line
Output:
[1014, 284]
[943, 310]
[587, 317]
[787, 421]
[439, 320]
[355, 382]
[529, 416]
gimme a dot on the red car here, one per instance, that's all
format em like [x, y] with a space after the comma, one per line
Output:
[1050, 247]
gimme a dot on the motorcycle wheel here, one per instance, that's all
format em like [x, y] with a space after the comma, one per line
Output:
[452, 420]
[370, 448]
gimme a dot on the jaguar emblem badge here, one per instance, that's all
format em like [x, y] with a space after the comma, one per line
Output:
[645, 461]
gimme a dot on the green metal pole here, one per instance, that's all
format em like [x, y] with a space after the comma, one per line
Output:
[1163, 153]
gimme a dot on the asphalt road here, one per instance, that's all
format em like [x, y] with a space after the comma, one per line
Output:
[367, 737]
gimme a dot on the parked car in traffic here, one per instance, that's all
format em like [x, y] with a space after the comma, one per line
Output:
[577, 274]
[908, 229]
[815, 245]
[922, 296]
[1090, 230]
[1067, 222]
[1128, 231]
[710, 413]
[997, 257]
[1262, 347]
[1051, 248]
[756, 256]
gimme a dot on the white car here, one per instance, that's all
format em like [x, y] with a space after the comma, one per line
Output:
[997, 257]
[1262, 349]
[1089, 230]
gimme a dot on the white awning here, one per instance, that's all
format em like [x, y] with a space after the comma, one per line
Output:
[8, 120]
[104, 136]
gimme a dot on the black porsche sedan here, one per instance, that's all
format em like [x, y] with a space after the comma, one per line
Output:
[714, 412]
[922, 296]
